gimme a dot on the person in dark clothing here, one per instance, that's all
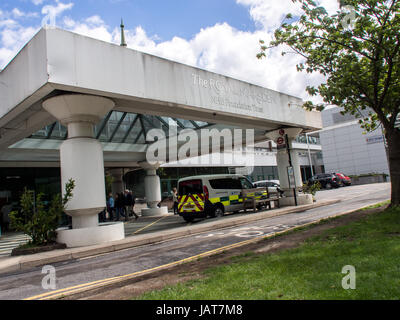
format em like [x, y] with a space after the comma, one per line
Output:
[175, 199]
[129, 203]
[119, 205]
[133, 204]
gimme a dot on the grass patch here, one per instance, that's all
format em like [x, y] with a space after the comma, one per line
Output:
[378, 205]
[310, 271]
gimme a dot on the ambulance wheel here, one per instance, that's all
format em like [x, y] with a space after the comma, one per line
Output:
[188, 219]
[218, 211]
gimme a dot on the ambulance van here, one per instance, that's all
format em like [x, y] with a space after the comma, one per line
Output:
[214, 195]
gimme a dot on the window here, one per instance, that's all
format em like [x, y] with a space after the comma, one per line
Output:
[190, 187]
[261, 184]
[226, 183]
[270, 184]
[246, 184]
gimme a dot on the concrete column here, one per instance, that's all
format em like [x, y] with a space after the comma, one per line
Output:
[152, 188]
[81, 158]
[118, 180]
[282, 158]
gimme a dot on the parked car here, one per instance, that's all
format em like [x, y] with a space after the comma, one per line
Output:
[345, 180]
[272, 185]
[327, 180]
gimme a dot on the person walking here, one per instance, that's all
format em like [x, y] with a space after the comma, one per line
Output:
[118, 203]
[110, 206]
[132, 197]
[175, 199]
[122, 210]
[127, 204]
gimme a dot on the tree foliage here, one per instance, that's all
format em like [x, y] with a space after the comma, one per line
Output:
[357, 50]
[361, 63]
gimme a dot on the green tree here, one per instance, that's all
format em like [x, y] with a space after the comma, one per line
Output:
[357, 50]
[37, 221]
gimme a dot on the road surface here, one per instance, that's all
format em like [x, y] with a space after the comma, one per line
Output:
[72, 273]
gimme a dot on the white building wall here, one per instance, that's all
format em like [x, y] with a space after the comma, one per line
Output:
[348, 150]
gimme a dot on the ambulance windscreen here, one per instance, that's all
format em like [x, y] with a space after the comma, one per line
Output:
[190, 187]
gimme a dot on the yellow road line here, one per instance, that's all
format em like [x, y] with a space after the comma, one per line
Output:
[99, 283]
[137, 231]
[92, 285]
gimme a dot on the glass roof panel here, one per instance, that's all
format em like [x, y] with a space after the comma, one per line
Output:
[122, 127]
[187, 124]
[135, 131]
[59, 131]
[42, 133]
[201, 123]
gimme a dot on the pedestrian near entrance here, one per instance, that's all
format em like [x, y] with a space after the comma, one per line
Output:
[175, 199]
[119, 205]
[133, 204]
[129, 203]
[5, 216]
[110, 206]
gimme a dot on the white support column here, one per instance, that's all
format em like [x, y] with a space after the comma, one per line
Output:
[81, 158]
[152, 188]
[282, 158]
[118, 180]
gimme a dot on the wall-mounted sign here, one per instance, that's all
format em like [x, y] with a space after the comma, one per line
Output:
[292, 181]
[281, 143]
[375, 139]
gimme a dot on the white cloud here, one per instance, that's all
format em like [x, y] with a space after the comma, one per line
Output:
[13, 35]
[331, 6]
[269, 14]
[98, 32]
[93, 27]
[17, 13]
[13, 38]
[37, 2]
[95, 20]
[20, 14]
[56, 10]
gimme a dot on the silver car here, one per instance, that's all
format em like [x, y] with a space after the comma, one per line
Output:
[272, 185]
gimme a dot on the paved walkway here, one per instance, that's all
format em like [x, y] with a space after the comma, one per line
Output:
[9, 241]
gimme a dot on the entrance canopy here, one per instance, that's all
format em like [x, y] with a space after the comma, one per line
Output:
[145, 89]
[108, 97]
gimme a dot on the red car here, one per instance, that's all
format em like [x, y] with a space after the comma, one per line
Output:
[345, 180]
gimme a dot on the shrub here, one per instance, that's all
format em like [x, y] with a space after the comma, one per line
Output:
[311, 188]
[38, 220]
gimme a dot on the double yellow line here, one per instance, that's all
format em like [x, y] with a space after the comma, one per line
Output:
[100, 283]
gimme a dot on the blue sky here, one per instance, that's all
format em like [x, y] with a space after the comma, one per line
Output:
[217, 35]
[162, 18]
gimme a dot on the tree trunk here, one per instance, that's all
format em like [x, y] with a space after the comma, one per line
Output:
[393, 141]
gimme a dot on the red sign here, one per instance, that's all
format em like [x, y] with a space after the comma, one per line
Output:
[282, 132]
[280, 141]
